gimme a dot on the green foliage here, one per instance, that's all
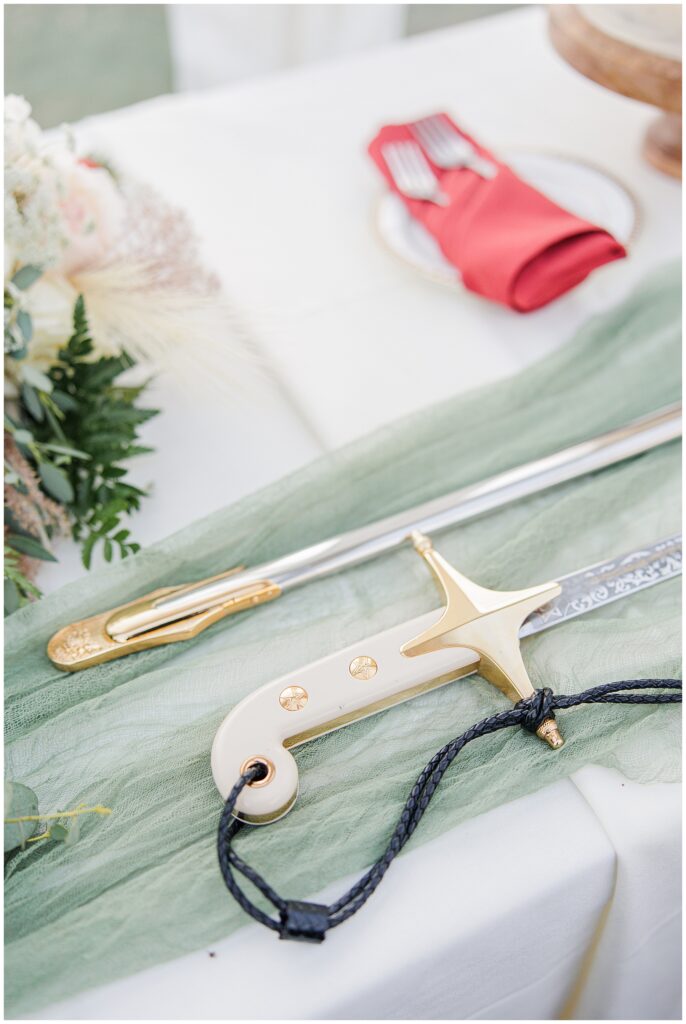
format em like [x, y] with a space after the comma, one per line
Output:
[28, 545]
[18, 324]
[18, 590]
[34, 542]
[77, 427]
[89, 412]
[26, 276]
[56, 483]
[24, 824]
[20, 802]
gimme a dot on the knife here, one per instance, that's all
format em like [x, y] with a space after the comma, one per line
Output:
[412, 658]
[173, 614]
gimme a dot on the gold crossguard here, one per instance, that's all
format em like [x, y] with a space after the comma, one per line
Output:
[487, 622]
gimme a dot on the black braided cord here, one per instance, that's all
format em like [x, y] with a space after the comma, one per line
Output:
[311, 921]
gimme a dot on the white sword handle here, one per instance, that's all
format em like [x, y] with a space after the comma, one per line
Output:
[361, 680]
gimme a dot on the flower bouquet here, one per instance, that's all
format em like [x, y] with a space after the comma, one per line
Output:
[100, 274]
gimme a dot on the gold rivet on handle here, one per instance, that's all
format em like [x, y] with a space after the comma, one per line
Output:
[293, 698]
[363, 667]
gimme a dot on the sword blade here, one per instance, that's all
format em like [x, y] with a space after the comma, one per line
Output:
[378, 538]
[601, 584]
[174, 614]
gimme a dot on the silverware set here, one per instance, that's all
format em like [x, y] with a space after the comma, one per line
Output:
[412, 173]
[447, 149]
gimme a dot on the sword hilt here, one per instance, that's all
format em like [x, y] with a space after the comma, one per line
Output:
[487, 622]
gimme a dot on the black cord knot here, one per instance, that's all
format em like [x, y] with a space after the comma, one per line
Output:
[305, 922]
[537, 708]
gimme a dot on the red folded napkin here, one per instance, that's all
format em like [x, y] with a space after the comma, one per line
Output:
[510, 243]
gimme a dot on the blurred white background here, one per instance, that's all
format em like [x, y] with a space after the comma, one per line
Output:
[214, 44]
[128, 52]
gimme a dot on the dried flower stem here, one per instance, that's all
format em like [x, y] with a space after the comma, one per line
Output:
[60, 814]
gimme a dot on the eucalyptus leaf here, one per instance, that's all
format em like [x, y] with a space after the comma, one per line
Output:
[56, 483]
[22, 436]
[36, 378]
[30, 398]
[25, 324]
[59, 833]
[12, 596]
[12, 524]
[64, 402]
[15, 346]
[29, 546]
[27, 276]
[20, 801]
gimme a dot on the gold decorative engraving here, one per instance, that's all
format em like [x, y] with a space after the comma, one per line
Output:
[78, 644]
[90, 641]
[293, 698]
[363, 667]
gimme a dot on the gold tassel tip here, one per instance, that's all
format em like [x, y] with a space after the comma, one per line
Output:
[549, 732]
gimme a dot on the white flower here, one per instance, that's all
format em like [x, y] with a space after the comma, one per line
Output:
[50, 304]
[33, 224]
[21, 132]
[60, 212]
[131, 256]
[17, 108]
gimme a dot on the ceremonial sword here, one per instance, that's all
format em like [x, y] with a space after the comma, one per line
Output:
[176, 613]
[479, 631]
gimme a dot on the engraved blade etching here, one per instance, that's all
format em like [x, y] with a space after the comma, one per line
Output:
[609, 581]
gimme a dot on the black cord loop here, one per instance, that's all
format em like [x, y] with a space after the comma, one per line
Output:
[537, 709]
[309, 922]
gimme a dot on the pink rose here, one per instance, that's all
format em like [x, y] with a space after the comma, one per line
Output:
[93, 213]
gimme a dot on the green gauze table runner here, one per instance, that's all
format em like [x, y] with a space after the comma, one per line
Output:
[142, 885]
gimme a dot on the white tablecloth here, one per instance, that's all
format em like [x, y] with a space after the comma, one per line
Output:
[566, 901]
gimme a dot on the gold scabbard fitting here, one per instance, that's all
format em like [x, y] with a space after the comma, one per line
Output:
[145, 623]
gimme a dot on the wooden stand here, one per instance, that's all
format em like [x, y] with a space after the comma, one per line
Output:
[662, 144]
[630, 71]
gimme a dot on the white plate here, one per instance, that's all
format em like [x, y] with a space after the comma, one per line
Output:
[583, 190]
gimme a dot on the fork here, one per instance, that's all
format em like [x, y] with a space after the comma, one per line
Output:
[447, 148]
[412, 173]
